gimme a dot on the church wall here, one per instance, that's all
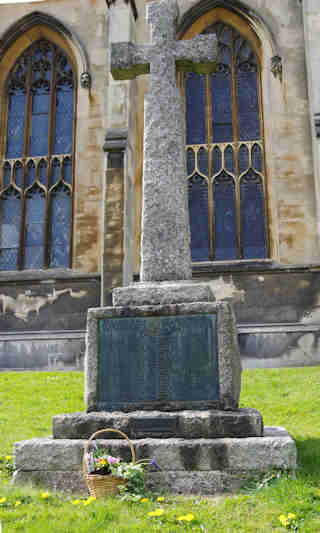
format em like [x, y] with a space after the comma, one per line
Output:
[43, 318]
[43, 313]
[88, 20]
[293, 225]
[123, 152]
[311, 10]
[288, 142]
[278, 312]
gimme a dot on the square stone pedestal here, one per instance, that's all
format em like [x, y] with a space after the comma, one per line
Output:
[163, 366]
[162, 357]
[188, 466]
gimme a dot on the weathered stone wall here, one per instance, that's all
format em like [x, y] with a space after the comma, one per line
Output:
[121, 216]
[311, 10]
[291, 188]
[43, 313]
[50, 351]
[278, 315]
[43, 319]
[277, 311]
[278, 307]
[87, 21]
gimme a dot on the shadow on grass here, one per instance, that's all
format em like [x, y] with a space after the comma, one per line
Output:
[308, 457]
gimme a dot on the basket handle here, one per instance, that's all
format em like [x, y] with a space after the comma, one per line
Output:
[111, 430]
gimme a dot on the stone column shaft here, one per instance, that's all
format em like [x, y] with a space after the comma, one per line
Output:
[113, 216]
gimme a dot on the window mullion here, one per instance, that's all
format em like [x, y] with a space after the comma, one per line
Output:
[27, 134]
[52, 106]
[264, 168]
[235, 118]
[51, 127]
[73, 157]
[4, 120]
[209, 116]
[22, 226]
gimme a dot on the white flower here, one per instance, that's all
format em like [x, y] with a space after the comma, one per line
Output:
[90, 462]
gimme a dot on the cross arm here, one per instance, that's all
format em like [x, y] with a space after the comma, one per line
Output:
[197, 55]
[129, 60]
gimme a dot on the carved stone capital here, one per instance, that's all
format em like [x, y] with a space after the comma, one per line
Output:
[85, 80]
[317, 124]
[115, 140]
[114, 145]
[276, 67]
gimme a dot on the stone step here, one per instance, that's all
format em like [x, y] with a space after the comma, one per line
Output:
[173, 481]
[205, 466]
[144, 424]
[274, 450]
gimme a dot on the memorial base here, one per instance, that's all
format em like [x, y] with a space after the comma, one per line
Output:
[167, 357]
[188, 466]
[157, 424]
[163, 365]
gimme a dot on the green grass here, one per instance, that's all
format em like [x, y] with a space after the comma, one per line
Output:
[287, 397]
[28, 400]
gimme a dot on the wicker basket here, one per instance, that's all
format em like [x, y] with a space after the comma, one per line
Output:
[104, 485]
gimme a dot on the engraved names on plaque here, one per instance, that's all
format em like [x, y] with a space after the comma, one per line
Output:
[152, 362]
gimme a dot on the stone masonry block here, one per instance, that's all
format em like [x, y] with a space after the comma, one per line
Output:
[141, 424]
[162, 293]
[275, 451]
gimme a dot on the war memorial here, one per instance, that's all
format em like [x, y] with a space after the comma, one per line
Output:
[162, 363]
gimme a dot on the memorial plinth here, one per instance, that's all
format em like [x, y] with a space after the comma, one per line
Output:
[163, 363]
[165, 357]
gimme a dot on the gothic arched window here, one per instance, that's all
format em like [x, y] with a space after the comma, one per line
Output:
[37, 166]
[225, 154]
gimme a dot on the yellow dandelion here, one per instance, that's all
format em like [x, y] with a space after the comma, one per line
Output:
[87, 502]
[18, 502]
[283, 519]
[160, 499]
[44, 495]
[76, 502]
[181, 518]
[144, 500]
[292, 516]
[8, 457]
[91, 499]
[3, 500]
[152, 513]
[159, 512]
[189, 517]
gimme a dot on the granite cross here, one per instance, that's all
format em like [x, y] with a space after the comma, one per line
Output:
[165, 243]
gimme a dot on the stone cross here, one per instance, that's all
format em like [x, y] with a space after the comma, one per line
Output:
[165, 245]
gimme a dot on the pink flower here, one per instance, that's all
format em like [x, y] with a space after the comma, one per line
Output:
[112, 459]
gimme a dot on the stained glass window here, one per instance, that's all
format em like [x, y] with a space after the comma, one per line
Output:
[225, 154]
[36, 172]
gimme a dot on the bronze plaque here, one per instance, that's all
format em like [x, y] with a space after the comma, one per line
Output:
[157, 362]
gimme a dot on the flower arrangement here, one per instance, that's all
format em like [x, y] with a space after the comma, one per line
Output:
[100, 461]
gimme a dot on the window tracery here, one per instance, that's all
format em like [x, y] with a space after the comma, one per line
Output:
[37, 167]
[225, 154]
